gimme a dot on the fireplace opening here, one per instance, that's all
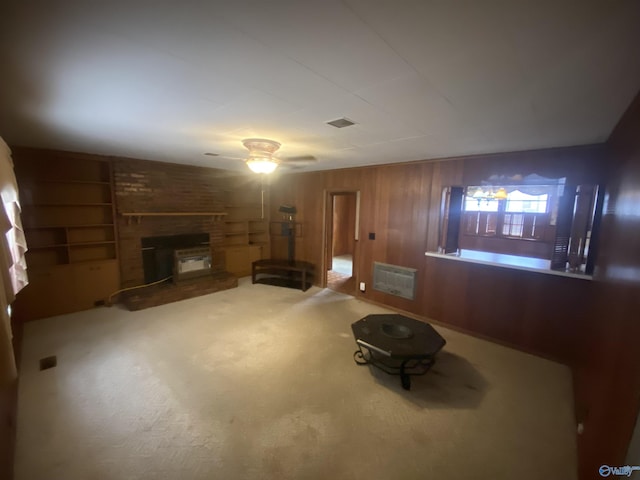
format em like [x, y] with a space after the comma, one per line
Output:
[158, 253]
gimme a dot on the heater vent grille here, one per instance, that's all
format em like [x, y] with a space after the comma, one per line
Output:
[395, 280]
[191, 262]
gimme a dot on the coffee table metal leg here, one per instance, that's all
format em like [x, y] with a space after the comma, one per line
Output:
[359, 357]
[410, 366]
[405, 379]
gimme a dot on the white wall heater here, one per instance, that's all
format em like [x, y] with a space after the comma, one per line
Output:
[394, 280]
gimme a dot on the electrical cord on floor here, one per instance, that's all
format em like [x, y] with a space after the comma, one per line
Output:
[109, 301]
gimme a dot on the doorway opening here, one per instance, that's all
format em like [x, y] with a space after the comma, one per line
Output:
[340, 251]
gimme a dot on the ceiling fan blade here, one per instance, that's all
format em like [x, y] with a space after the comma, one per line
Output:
[228, 157]
[262, 150]
[292, 166]
[300, 160]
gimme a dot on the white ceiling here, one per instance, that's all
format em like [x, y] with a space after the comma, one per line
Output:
[171, 80]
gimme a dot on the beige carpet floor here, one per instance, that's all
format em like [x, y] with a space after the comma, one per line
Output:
[259, 382]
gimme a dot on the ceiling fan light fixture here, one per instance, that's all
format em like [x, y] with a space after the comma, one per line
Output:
[261, 146]
[262, 164]
[261, 152]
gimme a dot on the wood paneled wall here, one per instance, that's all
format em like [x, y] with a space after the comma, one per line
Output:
[401, 205]
[535, 312]
[607, 373]
[511, 246]
[8, 407]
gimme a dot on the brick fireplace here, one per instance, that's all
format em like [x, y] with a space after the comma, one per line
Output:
[145, 186]
[179, 192]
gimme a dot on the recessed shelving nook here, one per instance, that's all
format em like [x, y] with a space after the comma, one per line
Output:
[68, 220]
[246, 232]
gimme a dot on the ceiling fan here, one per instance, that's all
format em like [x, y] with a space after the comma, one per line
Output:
[261, 157]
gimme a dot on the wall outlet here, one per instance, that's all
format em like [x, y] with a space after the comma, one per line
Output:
[363, 287]
[580, 428]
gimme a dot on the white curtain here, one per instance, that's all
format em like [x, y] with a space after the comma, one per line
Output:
[13, 266]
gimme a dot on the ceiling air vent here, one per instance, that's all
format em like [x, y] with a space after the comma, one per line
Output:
[341, 123]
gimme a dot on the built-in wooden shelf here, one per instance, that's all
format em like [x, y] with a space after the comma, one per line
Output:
[138, 215]
[68, 217]
[246, 237]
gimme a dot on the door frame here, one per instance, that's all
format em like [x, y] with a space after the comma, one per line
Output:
[327, 231]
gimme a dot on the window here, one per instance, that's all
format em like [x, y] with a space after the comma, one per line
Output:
[523, 203]
[513, 214]
[472, 204]
[480, 223]
[513, 224]
[537, 217]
